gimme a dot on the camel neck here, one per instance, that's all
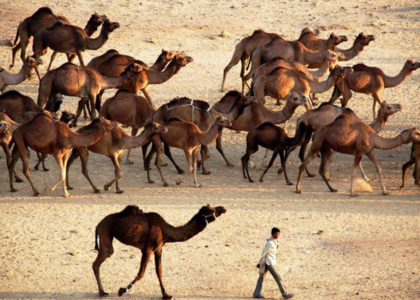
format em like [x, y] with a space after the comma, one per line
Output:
[155, 77]
[323, 86]
[312, 56]
[113, 82]
[96, 43]
[323, 69]
[387, 143]
[78, 140]
[347, 54]
[210, 135]
[396, 80]
[16, 78]
[278, 117]
[159, 64]
[183, 233]
[380, 122]
[90, 28]
[138, 141]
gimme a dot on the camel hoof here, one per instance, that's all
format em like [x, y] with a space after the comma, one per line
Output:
[178, 182]
[289, 183]
[311, 175]
[151, 182]
[66, 195]
[354, 195]
[13, 190]
[165, 184]
[166, 297]
[45, 169]
[298, 191]
[18, 179]
[180, 171]
[37, 194]
[106, 187]
[121, 291]
[69, 187]
[401, 188]
[129, 162]
[103, 294]
[206, 172]
[119, 191]
[164, 164]
[261, 180]
[230, 165]
[279, 171]
[197, 185]
[385, 193]
[333, 191]
[96, 191]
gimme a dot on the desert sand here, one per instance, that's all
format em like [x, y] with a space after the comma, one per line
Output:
[332, 246]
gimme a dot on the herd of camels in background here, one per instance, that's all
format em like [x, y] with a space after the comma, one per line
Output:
[279, 68]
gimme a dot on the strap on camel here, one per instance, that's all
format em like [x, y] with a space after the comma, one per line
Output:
[192, 110]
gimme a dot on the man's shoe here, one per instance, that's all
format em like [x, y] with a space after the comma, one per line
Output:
[258, 296]
[288, 296]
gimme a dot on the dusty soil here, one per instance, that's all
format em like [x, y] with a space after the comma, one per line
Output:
[369, 246]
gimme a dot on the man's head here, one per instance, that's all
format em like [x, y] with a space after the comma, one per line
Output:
[275, 232]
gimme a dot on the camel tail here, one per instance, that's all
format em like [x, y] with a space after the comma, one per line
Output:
[16, 37]
[96, 239]
[250, 60]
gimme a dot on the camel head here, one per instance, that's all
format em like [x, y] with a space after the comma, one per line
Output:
[388, 109]
[182, 60]
[168, 55]
[211, 213]
[364, 39]
[158, 128]
[336, 39]
[109, 26]
[410, 135]
[96, 20]
[332, 59]
[105, 124]
[309, 30]
[221, 122]
[69, 118]
[411, 65]
[296, 98]
[31, 63]
[340, 72]
[3, 126]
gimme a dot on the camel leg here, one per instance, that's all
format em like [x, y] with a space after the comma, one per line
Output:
[147, 162]
[376, 98]
[233, 61]
[357, 159]
[84, 157]
[220, 149]
[24, 156]
[283, 165]
[118, 174]
[311, 155]
[264, 162]
[194, 166]
[74, 155]
[127, 159]
[405, 168]
[80, 106]
[41, 160]
[302, 156]
[365, 177]
[245, 161]
[204, 153]
[270, 164]
[144, 154]
[105, 251]
[335, 95]
[24, 40]
[62, 163]
[189, 159]
[146, 254]
[79, 55]
[326, 155]
[91, 107]
[14, 50]
[53, 55]
[158, 163]
[347, 94]
[378, 169]
[11, 167]
[158, 267]
[167, 151]
[147, 95]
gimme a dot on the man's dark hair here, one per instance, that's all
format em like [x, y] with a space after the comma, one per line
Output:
[274, 230]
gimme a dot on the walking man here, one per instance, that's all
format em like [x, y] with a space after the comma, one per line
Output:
[267, 263]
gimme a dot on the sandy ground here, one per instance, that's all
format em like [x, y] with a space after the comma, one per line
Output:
[370, 245]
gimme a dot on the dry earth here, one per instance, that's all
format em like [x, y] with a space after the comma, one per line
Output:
[370, 245]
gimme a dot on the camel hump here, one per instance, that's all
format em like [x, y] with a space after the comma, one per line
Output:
[43, 10]
[257, 31]
[363, 68]
[130, 210]
[185, 100]
[276, 69]
[56, 24]
[12, 94]
[227, 102]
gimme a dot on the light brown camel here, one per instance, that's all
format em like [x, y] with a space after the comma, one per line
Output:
[7, 78]
[116, 64]
[42, 18]
[83, 82]
[288, 50]
[414, 160]
[200, 113]
[348, 134]
[371, 80]
[281, 81]
[148, 232]
[243, 52]
[187, 136]
[311, 41]
[361, 41]
[70, 39]
[113, 145]
[325, 114]
[45, 135]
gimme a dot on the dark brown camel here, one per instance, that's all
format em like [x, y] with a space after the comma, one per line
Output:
[70, 39]
[45, 135]
[83, 82]
[270, 137]
[199, 112]
[41, 19]
[348, 134]
[148, 232]
[188, 137]
[113, 145]
[414, 160]
[243, 52]
[372, 81]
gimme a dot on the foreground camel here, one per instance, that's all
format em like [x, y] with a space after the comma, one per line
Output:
[83, 82]
[113, 145]
[371, 80]
[348, 134]
[414, 160]
[148, 232]
[45, 135]
[243, 52]
[187, 136]
[200, 113]
[70, 39]
[325, 114]
[42, 18]
[7, 78]
[281, 81]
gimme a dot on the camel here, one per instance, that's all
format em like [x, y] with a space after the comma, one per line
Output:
[83, 82]
[288, 50]
[271, 137]
[414, 160]
[69, 118]
[348, 134]
[281, 81]
[371, 80]
[113, 145]
[187, 136]
[317, 118]
[116, 64]
[200, 113]
[17, 106]
[361, 41]
[42, 18]
[148, 232]
[243, 52]
[311, 41]
[7, 127]
[70, 39]
[45, 135]
[7, 78]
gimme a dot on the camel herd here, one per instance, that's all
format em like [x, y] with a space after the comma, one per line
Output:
[281, 69]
